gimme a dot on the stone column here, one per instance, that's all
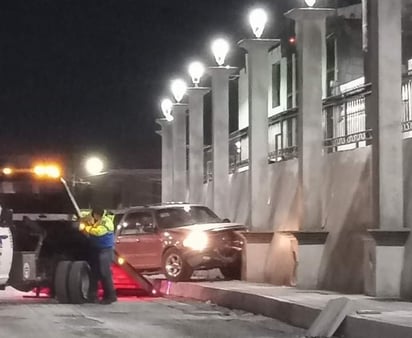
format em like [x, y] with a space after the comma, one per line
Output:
[196, 143]
[220, 138]
[258, 88]
[179, 153]
[383, 60]
[310, 38]
[167, 159]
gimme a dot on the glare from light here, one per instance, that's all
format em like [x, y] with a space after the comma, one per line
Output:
[51, 171]
[169, 118]
[220, 49]
[82, 226]
[196, 240]
[310, 3]
[7, 171]
[179, 88]
[258, 19]
[121, 261]
[167, 106]
[40, 170]
[187, 208]
[196, 71]
[94, 166]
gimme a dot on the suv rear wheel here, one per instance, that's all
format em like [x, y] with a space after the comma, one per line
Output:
[174, 267]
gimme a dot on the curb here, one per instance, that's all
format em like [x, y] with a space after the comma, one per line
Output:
[284, 310]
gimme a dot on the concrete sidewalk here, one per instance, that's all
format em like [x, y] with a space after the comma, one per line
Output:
[371, 317]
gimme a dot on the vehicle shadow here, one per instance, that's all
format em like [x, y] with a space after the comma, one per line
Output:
[213, 275]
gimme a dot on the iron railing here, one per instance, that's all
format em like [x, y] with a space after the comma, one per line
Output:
[344, 120]
[344, 124]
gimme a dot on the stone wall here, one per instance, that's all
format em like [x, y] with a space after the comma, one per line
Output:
[346, 215]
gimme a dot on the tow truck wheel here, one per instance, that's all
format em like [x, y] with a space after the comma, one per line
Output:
[60, 281]
[79, 282]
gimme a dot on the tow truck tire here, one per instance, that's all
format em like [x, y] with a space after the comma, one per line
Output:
[79, 282]
[60, 281]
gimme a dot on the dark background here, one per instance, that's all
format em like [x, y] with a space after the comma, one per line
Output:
[86, 76]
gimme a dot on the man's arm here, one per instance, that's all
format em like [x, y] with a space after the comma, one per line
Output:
[96, 230]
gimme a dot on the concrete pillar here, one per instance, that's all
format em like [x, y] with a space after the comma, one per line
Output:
[310, 36]
[220, 138]
[196, 143]
[179, 153]
[383, 60]
[383, 71]
[167, 159]
[258, 87]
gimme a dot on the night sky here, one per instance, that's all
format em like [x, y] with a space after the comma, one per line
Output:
[82, 76]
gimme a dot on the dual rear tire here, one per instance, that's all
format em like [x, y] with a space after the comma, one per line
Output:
[72, 282]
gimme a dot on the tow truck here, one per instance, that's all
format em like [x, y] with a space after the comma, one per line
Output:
[41, 246]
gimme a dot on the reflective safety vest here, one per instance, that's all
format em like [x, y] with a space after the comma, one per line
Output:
[102, 232]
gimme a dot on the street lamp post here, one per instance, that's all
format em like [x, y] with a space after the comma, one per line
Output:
[179, 109]
[220, 127]
[196, 137]
[258, 87]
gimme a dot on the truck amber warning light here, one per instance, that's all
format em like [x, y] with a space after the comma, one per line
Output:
[7, 171]
[52, 171]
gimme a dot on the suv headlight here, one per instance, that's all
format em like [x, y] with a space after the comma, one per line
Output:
[196, 240]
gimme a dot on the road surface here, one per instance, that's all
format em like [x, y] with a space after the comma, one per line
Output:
[132, 317]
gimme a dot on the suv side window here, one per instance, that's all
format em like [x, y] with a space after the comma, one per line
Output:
[137, 223]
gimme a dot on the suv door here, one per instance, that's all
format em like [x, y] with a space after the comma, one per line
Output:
[138, 241]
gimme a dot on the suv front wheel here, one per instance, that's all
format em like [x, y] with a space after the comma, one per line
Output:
[174, 267]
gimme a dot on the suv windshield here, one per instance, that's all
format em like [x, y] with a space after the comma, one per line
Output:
[187, 215]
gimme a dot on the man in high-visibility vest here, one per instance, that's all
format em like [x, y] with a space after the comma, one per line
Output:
[99, 226]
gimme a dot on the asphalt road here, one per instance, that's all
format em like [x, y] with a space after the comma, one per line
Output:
[132, 317]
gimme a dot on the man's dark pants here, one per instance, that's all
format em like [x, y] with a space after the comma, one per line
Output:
[100, 264]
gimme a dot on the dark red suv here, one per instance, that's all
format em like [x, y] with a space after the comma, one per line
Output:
[177, 239]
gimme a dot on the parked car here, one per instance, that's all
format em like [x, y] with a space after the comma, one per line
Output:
[177, 239]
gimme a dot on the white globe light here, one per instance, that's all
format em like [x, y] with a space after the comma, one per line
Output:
[169, 118]
[220, 48]
[94, 165]
[167, 106]
[258, 19]
[196, 71]
[310, 3]
[179, 88]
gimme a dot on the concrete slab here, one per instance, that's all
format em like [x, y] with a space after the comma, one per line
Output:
[330, 318]
[385, 318]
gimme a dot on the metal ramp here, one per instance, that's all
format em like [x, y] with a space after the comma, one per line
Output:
[142, 281]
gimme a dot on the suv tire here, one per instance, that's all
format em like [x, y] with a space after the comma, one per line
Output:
[79, 282]
[174, 267]
[61, 276]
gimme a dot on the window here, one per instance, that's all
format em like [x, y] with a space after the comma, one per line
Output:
[183, 216]
[276, 85]
[137, 223]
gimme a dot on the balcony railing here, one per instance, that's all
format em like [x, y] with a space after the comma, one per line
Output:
[344, 124]
[344, 120]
